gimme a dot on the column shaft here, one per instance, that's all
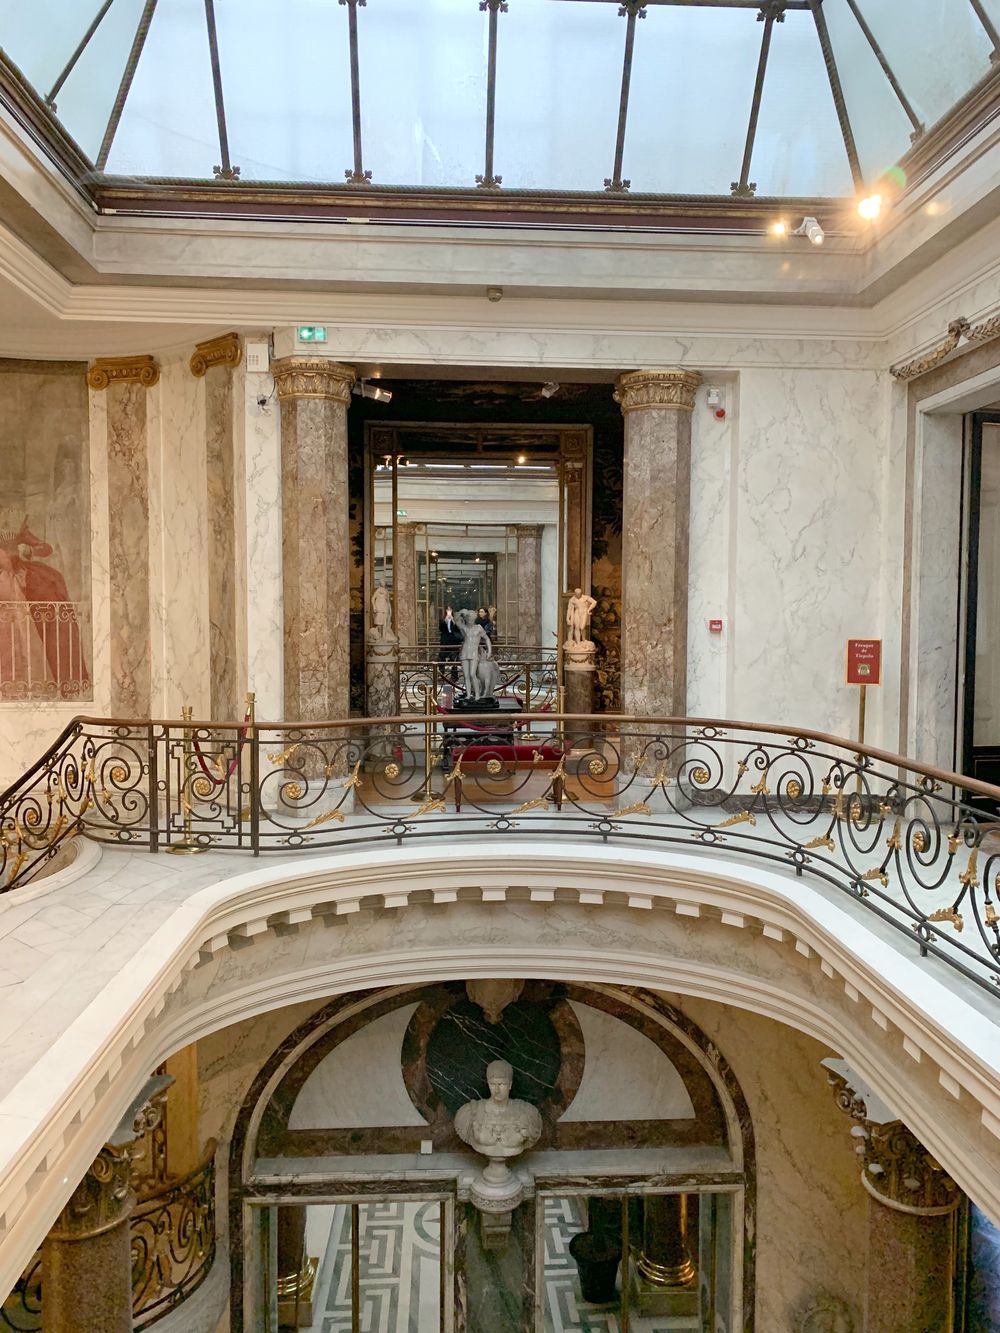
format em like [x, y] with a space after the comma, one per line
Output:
[656, 514]
[529, 584]
[315, 557]
[911, 1260]
[404, 581]
[128, 549]
[220, 476]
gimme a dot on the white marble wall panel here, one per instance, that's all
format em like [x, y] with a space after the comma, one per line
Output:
[936, 562]
[807, 543]
[178, 543]
[711, 587]
[550, 627]
[812, 1225]
[625, 1075]
[260, 469]
[361, 1081]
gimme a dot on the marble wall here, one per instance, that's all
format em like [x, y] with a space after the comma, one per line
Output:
[812, 1219]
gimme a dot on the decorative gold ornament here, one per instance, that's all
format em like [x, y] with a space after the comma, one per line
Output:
[118, 773]
[950, 915]
[224, 351]
[701, 775]
[663, 389]
[597, 767]
[313, 377]
[493, 767]
[919, 841]
[294, 791]
[391, 771]
[794, 789]
[144, 370]
[203, 787]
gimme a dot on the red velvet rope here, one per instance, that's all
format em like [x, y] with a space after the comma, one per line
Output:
[214, 777]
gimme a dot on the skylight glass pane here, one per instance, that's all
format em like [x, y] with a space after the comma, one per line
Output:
[423, 90]
[168, 127]
[559, 71]
[39, 36]
[84, 103]
[937, 48]
[286, 79]
[799, 149]
[881, 126]
[686, 132]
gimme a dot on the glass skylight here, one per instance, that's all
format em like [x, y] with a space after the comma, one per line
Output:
[810, 98]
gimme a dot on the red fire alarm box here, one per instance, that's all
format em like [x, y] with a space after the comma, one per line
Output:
[715, 627]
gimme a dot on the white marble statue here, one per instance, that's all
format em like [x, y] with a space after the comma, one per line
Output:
[578, 612]
[479, 671]
[382, 613]
[499, 1126]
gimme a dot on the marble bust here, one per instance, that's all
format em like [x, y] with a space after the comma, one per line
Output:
[499, 1126]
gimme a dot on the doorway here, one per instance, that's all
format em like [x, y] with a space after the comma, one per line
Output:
[981, 720]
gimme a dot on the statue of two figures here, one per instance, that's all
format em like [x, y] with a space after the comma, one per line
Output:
[499, 1127]
[480, 673]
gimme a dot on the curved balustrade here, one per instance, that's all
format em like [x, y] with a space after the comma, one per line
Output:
[902, 840]
[531, 682]
[172, 1238]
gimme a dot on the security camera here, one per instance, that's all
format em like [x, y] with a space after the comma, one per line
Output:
[811, 229]
[262, 400]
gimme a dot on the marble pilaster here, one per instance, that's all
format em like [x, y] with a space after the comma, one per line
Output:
[529, 584]
[657, 406]
[221, 489]
[381, 698]
[404, 582]
[128, 548]
[314, 395]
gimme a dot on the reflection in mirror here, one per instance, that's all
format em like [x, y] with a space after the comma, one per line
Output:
[359, 1267]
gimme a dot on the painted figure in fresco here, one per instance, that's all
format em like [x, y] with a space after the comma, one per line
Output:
[500, 1126]
[35, 609]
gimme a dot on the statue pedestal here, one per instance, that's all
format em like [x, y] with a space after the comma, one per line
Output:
[496, 1189]
[579, 666]
[382, 663]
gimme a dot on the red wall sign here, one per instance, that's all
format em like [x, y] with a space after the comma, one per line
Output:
[864, 661]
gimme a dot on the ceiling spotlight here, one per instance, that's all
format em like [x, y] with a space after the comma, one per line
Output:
[549, 388]
[522, 459]
[870, 207]
[365, 390]
[811, 229]
[779, 228]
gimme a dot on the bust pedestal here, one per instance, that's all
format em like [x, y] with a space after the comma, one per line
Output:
[579, 665]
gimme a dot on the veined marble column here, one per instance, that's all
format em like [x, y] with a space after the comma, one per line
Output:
[911, 1225]
[215, 360]
[314, 395]
[529, 584]
[657, 406]
[125, 381]
[86, 1257]
[404, 582]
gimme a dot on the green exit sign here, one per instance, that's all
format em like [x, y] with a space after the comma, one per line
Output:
[312, 333]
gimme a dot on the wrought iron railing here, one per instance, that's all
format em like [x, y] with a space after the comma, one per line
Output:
[172, 1237]
[917, 846]
[530, 682]
[43, 650]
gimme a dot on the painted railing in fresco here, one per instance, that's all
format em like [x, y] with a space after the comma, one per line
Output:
[172, 1239]
[43, 651]
[916, 846]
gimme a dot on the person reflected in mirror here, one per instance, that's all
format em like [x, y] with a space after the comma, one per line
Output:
[484, 621]
[450, 640]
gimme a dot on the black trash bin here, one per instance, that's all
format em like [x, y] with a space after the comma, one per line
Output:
[597, 1259]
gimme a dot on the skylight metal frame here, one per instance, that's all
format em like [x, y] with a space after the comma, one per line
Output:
[769, 12]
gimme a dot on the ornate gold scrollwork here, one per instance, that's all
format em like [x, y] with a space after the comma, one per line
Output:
[313, 377]
[224, 351]
[663, 389]
[106, 370]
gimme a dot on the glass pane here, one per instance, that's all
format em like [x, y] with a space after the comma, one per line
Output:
[423, 90]
[881, 126]
[799, 149]
[286, 79]
[685, 132]
[41, 36]
[582, 1262]
[986, 717]
[937, 48]
[86, 98]
[168, 127]
[558, 88]
[399, 1270]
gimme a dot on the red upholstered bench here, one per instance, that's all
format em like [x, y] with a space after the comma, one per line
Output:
[519, 753]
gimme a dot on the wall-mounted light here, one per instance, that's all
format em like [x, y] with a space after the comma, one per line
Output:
[365, 390]
[522, 459]
[549, 388]
[778, 228]
[811, 230]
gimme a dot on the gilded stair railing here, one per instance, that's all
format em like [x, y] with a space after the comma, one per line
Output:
[917, 846]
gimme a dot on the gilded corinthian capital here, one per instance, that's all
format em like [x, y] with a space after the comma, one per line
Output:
[663, 389]
[313, 377]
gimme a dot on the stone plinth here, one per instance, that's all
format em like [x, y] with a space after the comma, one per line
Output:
[381, 698]
[657, 406]
[579, 667]
[314, 395]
